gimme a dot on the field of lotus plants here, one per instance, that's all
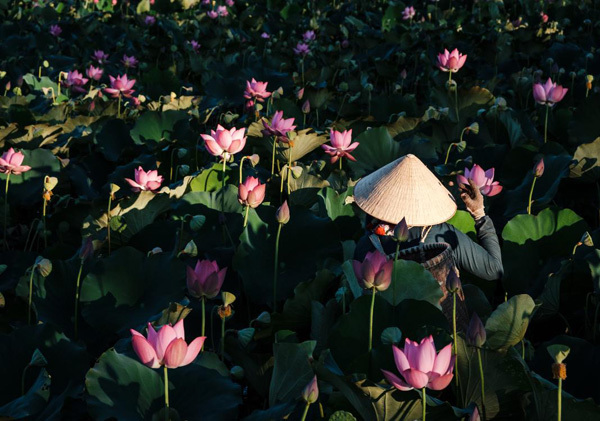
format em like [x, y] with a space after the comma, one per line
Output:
[185, 234]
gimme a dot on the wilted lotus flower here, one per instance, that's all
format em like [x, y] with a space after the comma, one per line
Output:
[301, 49]
[149, 20]
[100, 57]
[476, 334]
[10, 162]
[282, 215]
[129, 61]
[484, 180]
[75, 81]
[55, 30]
[251, 192]
[408, 13]
[538, 170]
[205, 280]
[549, 93]
[145, 180]
[309, 36]
[120, 86]
[94, 73]
[195, 46]
[225, 143]
[222, 11]
[310, 393]
[341, 145]
[166, 347]
[279, 127]
[256, 90]
[212, 14]
[451, 62]
[375, 271]
[420, 367]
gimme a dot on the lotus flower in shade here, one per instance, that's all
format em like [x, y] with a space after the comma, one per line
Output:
[129, 62]
[484, 180]
[222, 11]
[538, 170]
[279, 127]
[375, 271]
[409, 13]
[301, 49]
[100, 57]
[75, 81]
[120, 86]
[341, 145]
[282, 215]
[55, 30]
[309, 36]
[212, 14]
[205, 280]
[251, 192]
[10, 162]
[94, 73]
[223, 142]
[256, 90]
[145, 180]
[166, 347]
[549, 93]
[451, 62]
[195, 46]
[476, 334]
[310, 393]
[420, 367]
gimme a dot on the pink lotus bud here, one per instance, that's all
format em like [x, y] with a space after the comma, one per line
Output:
[538, 170]
[401, 231]
[451, 62]
[283, 214]
[306, 107]
[476, 334]
[375, 271]
[310, 393]
[453, 284]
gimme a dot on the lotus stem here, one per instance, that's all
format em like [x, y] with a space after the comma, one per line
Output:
[166, 371]
[371, 319]
[118, 106]
[30, 295]
[305, 413]
[523, 349]
[448, 153]
[241, 166]
[6, 210]
[424, 403]
[44, 221]
[456, 104]
[289, 171]
[179, 240]
[246, 216]
[393, 271]
[273, 159]
[222, 338]
[454, 347]
[341, 163]
[546, 125]
[482, 382]
[171, 168]
[276, 268]
[77, 297]
[531, 196]
[203, 300]
[302, 64]
[108, 219]
[559, 397]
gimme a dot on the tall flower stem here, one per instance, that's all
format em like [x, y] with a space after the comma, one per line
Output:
[456, 103]
[393, 271]
[289, 171]
[276, 268]
[559, 397]
[546, 124]
[119, 107]
[454, 347]
[222, 338]
[203, 300]
[44, 222]
[531, 196]
[273, 159]
[108, 219]
[171, 169]
[424, 403]
[371, 319]
[482, 382]
[166, 371]
[246, 216]
[6, 210]
[305, 413]
[76, 323]
[30, 295]
[341, 163]
[241, 166]
[454, 144]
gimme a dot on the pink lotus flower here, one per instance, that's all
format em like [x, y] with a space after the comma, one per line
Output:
[166, 347]
[301, 49]
[223, 142]
[147, 181]
[420, 367]
[222, 11]
[129, 62]
[251, 192]
[310, 393]
[229, 3]
[549, 93]
[538, 170]
[100, 57]
[264, 35]
[451, 62]
[279, 127]
[484, 180]
[309, 36]
[408, 13]
[195, 46]
[10, 162]
[375, 271]
[94, 73]
[55, 30]
[256, 90]
[120, 86]
[212, 14]
[205, 280]
[75, 81]
[341, 145]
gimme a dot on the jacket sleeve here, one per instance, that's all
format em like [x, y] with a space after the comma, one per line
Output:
[483, 260]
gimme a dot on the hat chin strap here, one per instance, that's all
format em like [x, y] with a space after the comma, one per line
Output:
[425, 232]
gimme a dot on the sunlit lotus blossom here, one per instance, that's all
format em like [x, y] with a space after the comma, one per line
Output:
[341, 145]
[484, 180]
[94, 73]
[256, 90]
[120, 86]
[251, 192]
[375, 271]
[309, 36]
[222, 11]
[100, 56]
[408, 13]
[129, 62]
[301, 49]
[10, 162]
[420, 367]
[549, 93]
[279, 127]
[75, 81]
[145, 180]
[225, 143]
[206, 279]
[166, 347]
[55, 30]
[451, 62]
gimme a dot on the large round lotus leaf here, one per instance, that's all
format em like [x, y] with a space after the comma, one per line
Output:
[118, 384]
[587, 165]
[333, 205]
[155, 127]
[410, 280]
[292, 371]
[211, 179]
[126, 288]
[463, 221]
[507, 325]
[534, 244]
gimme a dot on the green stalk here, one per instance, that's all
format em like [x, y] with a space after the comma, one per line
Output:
[482, 383]
[424, 403]
[559, 413]
[393, 271]
[222, 338]
[109, 218]
[246, 216]
[341, 163]
[371, 319]
[273, 159]
[289, 171]
[275, 268]
[171, 169]
[30, 295]
[305, 412]
[241, 165]
[44, 222]
[203, 300]
[6, 209]
[77, 297]
[448, 153]
[456, 103]
[166, 371]
[531, 195]
[546, 125]
[118, 106]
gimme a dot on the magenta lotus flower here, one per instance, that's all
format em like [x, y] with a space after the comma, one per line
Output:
[264, 35]
[129, 62]
[94, 73]
[55, 30]
[341, 145]
[149, 20]
[222, 11]
[147, 181]
[549, 93]
[100, 57]
[75, 81]
[484, 180]
[225, 143]
[195, 46]
[420, 367]
[375, 271]
[301, 49]
[166, 347]
[10, 162]
[120, 86]
[451, 62]
[205, 280]
[309, 36]
[409, 13]
[251, 192]
[256, 90]
[279, 127]
[229, 3]
[212, 14]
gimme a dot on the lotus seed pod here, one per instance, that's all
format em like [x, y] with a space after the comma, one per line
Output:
[254, 159]
[44, 266]
[264, 318]
[191, 249]
[246, 335]
[155, 250]
[228, 298]
[50, 183]
[474, 127]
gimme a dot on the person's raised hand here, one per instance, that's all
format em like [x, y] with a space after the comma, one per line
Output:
[473, 199]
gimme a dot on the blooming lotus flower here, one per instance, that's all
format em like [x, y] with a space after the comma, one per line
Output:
[149, 20]
[264, 35]
[409, 13]
[225, 143]
[147, 181]
[484, 180]
[375, 271]
[94, 73]
[251, 192]
[451, 62]
[341, 145]
[212, 14]
[309, 36]
[205, 280]
[256, 90]
[195, 46]
[100, 57]
[279, 127]
[129, 61]
[549, 93]
[55, 30]
[120, 86]
[75, 81]
[222, 11]
[420, 367]
[301, 49]
[10, 162]
[166, 347]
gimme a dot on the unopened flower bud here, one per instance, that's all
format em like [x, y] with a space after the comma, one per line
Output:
[453, 284]
[310, 394]
[538, 170]
[476, 334]
[401, 231]
[283, 214]
[306, 107]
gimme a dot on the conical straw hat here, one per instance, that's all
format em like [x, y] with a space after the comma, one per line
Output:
[407, 189]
